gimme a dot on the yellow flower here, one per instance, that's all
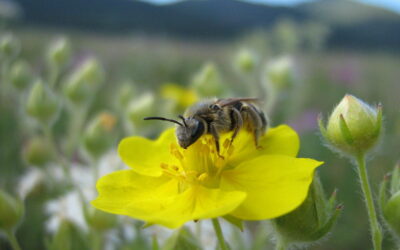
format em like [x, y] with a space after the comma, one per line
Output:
[169, 185]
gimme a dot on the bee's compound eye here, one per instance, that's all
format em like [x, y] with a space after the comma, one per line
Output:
[215, 107]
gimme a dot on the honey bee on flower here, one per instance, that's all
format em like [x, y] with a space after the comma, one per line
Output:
[170, 183]
[219, 116]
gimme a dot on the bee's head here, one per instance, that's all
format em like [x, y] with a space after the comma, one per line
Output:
[187, 131]
[191, 130]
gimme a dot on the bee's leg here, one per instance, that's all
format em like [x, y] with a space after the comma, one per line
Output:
[215, 134]
[237, 120]
[256, 120]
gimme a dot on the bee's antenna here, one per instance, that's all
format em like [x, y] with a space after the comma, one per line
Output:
[162, 119]
[183, 120]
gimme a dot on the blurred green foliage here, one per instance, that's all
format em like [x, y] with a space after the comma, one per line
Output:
[135, 70]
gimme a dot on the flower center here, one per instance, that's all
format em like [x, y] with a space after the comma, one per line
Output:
[200, 163]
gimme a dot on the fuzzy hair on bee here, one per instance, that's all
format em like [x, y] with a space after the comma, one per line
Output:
[219, 116]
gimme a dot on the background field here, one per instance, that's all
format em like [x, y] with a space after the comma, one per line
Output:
[150, 60]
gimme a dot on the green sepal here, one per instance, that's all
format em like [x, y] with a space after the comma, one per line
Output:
[395, 181]
[382, 192]
[345, 130]
[332, 200]
[234, 221]
[182, 239]
[391, 212]
[147, 224]
[321, 126]
[378, 120]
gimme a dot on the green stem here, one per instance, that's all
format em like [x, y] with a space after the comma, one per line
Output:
[369, 202]
[13, 240]
[281, 244]
[218, 232]
[97, 240]
[49, 135]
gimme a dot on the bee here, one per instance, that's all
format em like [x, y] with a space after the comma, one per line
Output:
[219, 116]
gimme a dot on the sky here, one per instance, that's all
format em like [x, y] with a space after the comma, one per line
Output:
[389, 4]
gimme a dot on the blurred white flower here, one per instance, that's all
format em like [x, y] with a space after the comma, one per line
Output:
[67, 207]
[29, 182]
[70, 206]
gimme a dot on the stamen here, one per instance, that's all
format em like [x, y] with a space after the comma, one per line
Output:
[227, 142]
[230, 150]
[202, 177]
[219, 162]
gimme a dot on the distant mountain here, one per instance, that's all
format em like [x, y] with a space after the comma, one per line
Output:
[352, 23]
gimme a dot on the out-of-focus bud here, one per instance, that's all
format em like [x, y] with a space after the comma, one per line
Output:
[312, 220]
[207, 82]
[140, 108]
[354, 127]
[42, 103]
[99, 135]
[182, 239]
[100, 220]
[279, 72]
[9, 47]
[59, 52]
[179, 97]
[11, 211]
[20, 75]
[125, 94]
[390, 200]
[245, 61]
[38, 152]
[286, 37]
[84, 81]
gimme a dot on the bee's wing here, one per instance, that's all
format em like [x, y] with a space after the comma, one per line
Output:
[230, 101]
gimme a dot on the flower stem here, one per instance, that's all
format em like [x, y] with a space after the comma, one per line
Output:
[13, 240]
[50, 138]
[281, 243]
[218, 232]
[369, 202]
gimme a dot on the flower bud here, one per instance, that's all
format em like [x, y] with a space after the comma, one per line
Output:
[38, 152]
[83, 82]
[312, 220]
[126, 92]
[390, 201]
[20, 75]
[207, 82]
[279, 73]
[99, 135]
[245, 61]
[59, 53]
[140, 108]
[354, 126]
[42, 104]
[100, 220]
[11, 211]
[9, 47]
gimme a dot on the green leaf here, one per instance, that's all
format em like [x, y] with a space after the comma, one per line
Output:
[234, 221]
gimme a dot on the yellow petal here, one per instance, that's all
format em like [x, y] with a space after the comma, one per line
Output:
[144, 155]
[196, 203]
[121, 188]
[275, 185]
[157, 200]
[281, 140]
